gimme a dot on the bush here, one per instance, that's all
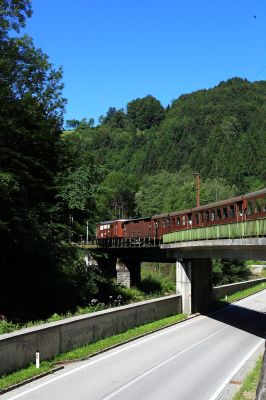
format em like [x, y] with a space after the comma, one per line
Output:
[7, 327]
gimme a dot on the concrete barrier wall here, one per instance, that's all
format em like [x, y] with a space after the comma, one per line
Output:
[17, 349]
[225, 290]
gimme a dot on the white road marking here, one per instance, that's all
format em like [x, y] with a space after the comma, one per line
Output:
[125, 348]
[121, 350]
[161, 365]
[235, 370]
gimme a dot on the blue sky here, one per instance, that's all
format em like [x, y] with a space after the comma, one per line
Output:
[113, 51]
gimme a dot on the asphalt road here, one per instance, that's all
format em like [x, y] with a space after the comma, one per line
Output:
[190, 361]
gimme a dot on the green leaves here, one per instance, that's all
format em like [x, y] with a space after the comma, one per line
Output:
[13, 14]
[77, 186]
[117, 195]
[229, 271]
[145, 113]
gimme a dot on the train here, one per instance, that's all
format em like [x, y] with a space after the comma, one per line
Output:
[149, 231]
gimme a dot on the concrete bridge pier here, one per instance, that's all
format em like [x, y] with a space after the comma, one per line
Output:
[194, 283]
[128, 272]
[107, 265]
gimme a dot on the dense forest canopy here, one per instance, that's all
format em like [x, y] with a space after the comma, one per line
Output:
[147, 163]
[136, 162]
[40, 270]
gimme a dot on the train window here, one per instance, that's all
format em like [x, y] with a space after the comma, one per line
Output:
[177, 221]
[163, 223]
[168, 222]
[240, 209]
[173, 222]
[213, 214]
[207, 215]
[263, 204]
[101, 227]
[257, 205]
[200, 217]
[196, 218]
[218, 213]
[225, 214]
[183, 220]
[231, 211]
[250, 207]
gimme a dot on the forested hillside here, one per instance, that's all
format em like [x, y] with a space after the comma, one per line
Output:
[136, 162]
[145, 155]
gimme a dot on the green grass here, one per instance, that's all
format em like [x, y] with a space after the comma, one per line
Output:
[155, 282]
[263, 273]
[255, 262]
[100, 345]
[9, 326]
[250, 383]
[24, 374]
[88, 350]
[243, 293]
[158, 278]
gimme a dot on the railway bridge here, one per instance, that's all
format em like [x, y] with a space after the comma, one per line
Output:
[191, 250]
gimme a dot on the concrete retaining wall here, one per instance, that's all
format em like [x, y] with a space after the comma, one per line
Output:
[225, 290]
[17, 349]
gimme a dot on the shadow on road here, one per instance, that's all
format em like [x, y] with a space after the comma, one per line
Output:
[247, 320]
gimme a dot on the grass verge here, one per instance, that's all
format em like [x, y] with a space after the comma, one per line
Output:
[88, 350]
[242, 294]
[24, 374]
[250, 383]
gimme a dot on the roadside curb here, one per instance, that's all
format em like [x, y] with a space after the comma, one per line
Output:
[236, 381]
[60, 364]
[66, 362]
[34, 378]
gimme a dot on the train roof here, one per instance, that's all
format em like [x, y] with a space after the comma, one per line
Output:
[113, 220]
[138, 219]
[190, 210]
[257, 193]
[212, 205]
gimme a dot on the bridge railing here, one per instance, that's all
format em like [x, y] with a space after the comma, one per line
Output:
[244, 229]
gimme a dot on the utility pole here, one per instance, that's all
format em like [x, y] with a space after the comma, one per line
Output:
[87, 232]
[197, 174]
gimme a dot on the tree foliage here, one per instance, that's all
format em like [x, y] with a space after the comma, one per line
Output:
[117, 195]
[145, 113]
[136, 162]
[40, 271]
[229, 271]
[13, 15]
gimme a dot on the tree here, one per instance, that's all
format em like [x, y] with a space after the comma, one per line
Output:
[91, 122]
[115, 118]
[145, 113]
[13, 15]
[229, 271]
[72, 123]
[117, 195]
[35, 255]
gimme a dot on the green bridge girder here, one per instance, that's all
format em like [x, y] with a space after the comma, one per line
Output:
[243, 229]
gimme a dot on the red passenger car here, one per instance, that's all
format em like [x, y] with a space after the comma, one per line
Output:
[138, 231]
[150, 230]
[110, 233]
